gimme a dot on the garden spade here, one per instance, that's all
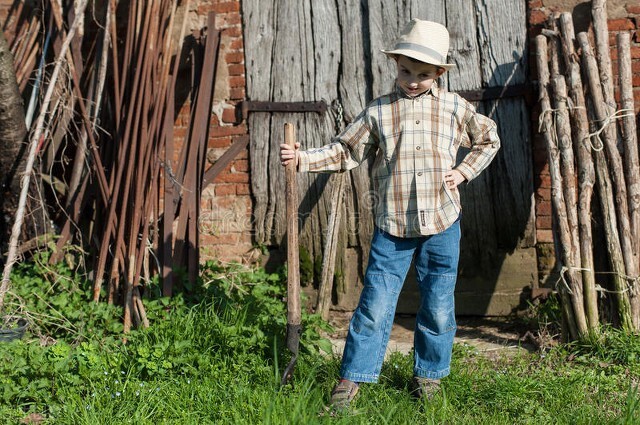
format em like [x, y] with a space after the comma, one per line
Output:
[294, 327]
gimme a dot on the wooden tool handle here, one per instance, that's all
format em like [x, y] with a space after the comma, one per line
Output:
[293, 261]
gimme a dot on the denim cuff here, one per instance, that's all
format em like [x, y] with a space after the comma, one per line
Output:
[359, 377]
[421, 373]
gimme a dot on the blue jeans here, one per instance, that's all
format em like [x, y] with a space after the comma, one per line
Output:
[436, 262]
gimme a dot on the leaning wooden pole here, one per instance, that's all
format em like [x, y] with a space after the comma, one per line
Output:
[618, 245]
[546, 129]
[586, 172]
[571, 252]
[606, 121]
[603, 58]
[330, 248]
[33, 148]
[630, 143]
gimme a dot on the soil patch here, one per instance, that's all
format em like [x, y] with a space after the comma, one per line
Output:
[493, 336]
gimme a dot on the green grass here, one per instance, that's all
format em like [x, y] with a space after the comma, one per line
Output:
[216, 355]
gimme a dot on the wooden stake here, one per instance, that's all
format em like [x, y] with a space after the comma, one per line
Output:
[571, 252]
[630, 143]
[586, 171]
[546, 129]
[618, 244]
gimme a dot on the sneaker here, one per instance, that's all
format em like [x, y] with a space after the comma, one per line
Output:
[424, 388]
[343, 394]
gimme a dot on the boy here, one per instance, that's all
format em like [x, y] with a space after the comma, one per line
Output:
[414, 134]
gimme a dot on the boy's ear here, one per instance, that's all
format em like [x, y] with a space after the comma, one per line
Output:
[440, 72]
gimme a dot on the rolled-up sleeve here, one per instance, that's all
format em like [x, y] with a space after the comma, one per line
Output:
[346, 151]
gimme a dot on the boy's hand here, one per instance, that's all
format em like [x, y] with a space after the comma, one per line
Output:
[287, 154]
[453, 178]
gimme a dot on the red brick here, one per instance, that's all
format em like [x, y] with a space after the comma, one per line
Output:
[236, 44]
[225, 189]
[219, 142]
[237, 81]
[233, 19]
[229, 115]
[227, 130]
[543, 208]
[208, 237]
[236, 69]
[635, 53]
[241, 165]
[237, 93]
[235, 31]
[544, 236]
[635, 66]
[544, 222]
[226, 7]
[620, 24]
[636, 37]
[232, 178]
[243, 189]
[633, 9]
[545, 181]
[537, 17]
[535, 4]
[543, 194]
[234, 57]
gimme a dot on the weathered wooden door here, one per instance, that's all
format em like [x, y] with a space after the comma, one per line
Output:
[330, 50]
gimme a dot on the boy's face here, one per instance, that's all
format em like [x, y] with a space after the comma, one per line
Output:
[415, 77]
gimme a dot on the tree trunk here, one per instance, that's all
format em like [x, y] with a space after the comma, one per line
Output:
[12, 136]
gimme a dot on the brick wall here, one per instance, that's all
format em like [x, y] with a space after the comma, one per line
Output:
[623, 16]
[226, 209]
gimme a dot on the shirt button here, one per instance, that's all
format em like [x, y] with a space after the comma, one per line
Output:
[417, 121]
[417, 148]
[419, 173]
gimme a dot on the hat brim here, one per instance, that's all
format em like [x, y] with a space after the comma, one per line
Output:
[418, 56]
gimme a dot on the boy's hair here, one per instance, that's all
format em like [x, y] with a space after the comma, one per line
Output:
[414, 60]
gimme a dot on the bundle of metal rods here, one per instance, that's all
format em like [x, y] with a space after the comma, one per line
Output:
[592, 144]
[117, 184]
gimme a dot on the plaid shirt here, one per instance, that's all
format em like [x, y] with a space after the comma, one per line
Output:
[414, 142]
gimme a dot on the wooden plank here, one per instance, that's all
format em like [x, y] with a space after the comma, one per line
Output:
[259, 30]
[504, 62]
[295, 58]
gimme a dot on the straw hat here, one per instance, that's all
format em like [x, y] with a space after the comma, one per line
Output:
[425, 41]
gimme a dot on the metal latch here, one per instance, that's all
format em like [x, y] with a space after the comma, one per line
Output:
[243, 108]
